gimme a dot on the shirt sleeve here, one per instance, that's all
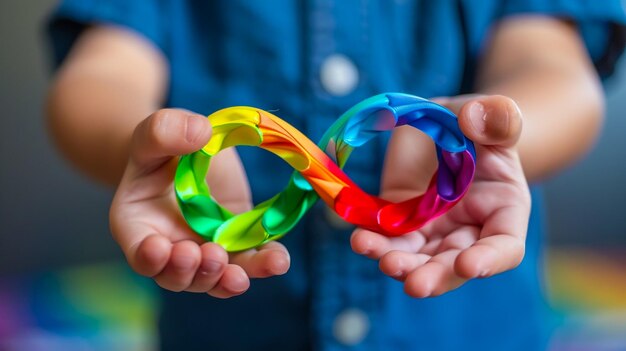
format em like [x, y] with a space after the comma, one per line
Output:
[67, 21]
[601, 24]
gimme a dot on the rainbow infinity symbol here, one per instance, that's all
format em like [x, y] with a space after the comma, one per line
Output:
[319, 175]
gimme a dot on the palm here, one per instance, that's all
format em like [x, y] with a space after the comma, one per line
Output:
[491, 192]
[482, 235]
[150, 207]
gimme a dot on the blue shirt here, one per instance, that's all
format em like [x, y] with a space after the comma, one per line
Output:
[271, 55]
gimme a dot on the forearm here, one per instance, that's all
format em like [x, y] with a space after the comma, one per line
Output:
[555, 86]
[110, 82]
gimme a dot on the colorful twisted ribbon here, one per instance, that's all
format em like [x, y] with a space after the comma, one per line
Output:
[319, 175]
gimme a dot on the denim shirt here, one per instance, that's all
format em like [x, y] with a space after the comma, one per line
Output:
[308, 61]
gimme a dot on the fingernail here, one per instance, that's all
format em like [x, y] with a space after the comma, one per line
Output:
[211, 266]
[478, 117]
[483, 273]
[195, 128]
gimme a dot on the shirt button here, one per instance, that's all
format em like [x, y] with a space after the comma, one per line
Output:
[351, 326]
[339, 75]
[334, 220]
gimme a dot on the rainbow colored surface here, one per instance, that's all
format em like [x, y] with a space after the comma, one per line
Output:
[319, 174]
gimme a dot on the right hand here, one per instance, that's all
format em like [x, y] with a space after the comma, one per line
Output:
[150, 229]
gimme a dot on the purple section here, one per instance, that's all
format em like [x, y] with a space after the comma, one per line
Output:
[14, 310]
[445, 183]
[455, 173]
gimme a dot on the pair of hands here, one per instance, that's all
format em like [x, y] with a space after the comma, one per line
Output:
[483, 235]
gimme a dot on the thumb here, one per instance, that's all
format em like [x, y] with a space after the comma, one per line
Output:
[491, 120]
[409, 164]
[167, 133]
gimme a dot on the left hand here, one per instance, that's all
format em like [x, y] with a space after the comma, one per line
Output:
[484, 234]
[150, 229]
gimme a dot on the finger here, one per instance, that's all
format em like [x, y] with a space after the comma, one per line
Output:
[455, 103]
[213, 262]
[228, 181]
[266, 261]
[435, 277]
[490, 256]
[146, 251]
[430, 248]
[149, 256]
[374, 245]
[501, 246]
[167, 133]
[234, 282]
[491, 120]
[410, 162]
[181, 267]
[459, 239]
[398, 264]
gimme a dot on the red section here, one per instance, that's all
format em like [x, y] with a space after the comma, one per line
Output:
[388, 218]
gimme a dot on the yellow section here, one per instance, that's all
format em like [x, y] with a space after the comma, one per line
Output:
[235, 114]
[586, 279]
[234, 126]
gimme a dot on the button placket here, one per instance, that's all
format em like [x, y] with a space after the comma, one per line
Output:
[343, 283]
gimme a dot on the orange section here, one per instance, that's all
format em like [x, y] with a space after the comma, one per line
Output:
[301, 153]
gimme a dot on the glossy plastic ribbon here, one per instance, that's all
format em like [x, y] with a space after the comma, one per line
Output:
[319, 175]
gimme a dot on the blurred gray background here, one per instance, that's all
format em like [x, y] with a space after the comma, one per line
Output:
[50, 216]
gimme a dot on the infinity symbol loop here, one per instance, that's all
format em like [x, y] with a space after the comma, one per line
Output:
[319, 175]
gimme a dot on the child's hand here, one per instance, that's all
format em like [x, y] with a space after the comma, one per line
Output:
[484, 234]
[148, 226]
